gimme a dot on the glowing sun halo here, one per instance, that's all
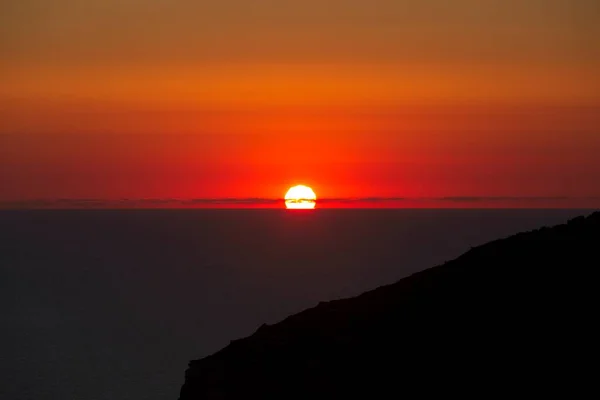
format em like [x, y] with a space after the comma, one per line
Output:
[300, 197]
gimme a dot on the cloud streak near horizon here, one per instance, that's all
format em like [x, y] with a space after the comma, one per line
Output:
[359, 202]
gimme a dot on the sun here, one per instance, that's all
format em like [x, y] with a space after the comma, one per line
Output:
[300, 197]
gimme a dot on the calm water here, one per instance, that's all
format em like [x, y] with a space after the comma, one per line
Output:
[113, 304]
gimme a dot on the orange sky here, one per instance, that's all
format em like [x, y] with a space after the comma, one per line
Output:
[151, 99]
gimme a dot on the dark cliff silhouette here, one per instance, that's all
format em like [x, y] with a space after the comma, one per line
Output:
[513, 316]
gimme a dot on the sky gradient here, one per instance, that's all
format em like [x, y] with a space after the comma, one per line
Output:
[112, 99]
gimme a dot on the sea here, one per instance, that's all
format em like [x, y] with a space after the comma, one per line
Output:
[112, 304]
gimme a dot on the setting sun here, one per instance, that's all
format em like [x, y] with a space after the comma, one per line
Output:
[300, 197]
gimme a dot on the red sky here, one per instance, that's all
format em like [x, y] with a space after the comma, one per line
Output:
[132, 99]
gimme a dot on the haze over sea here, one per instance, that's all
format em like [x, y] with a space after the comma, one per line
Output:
[112, 304]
